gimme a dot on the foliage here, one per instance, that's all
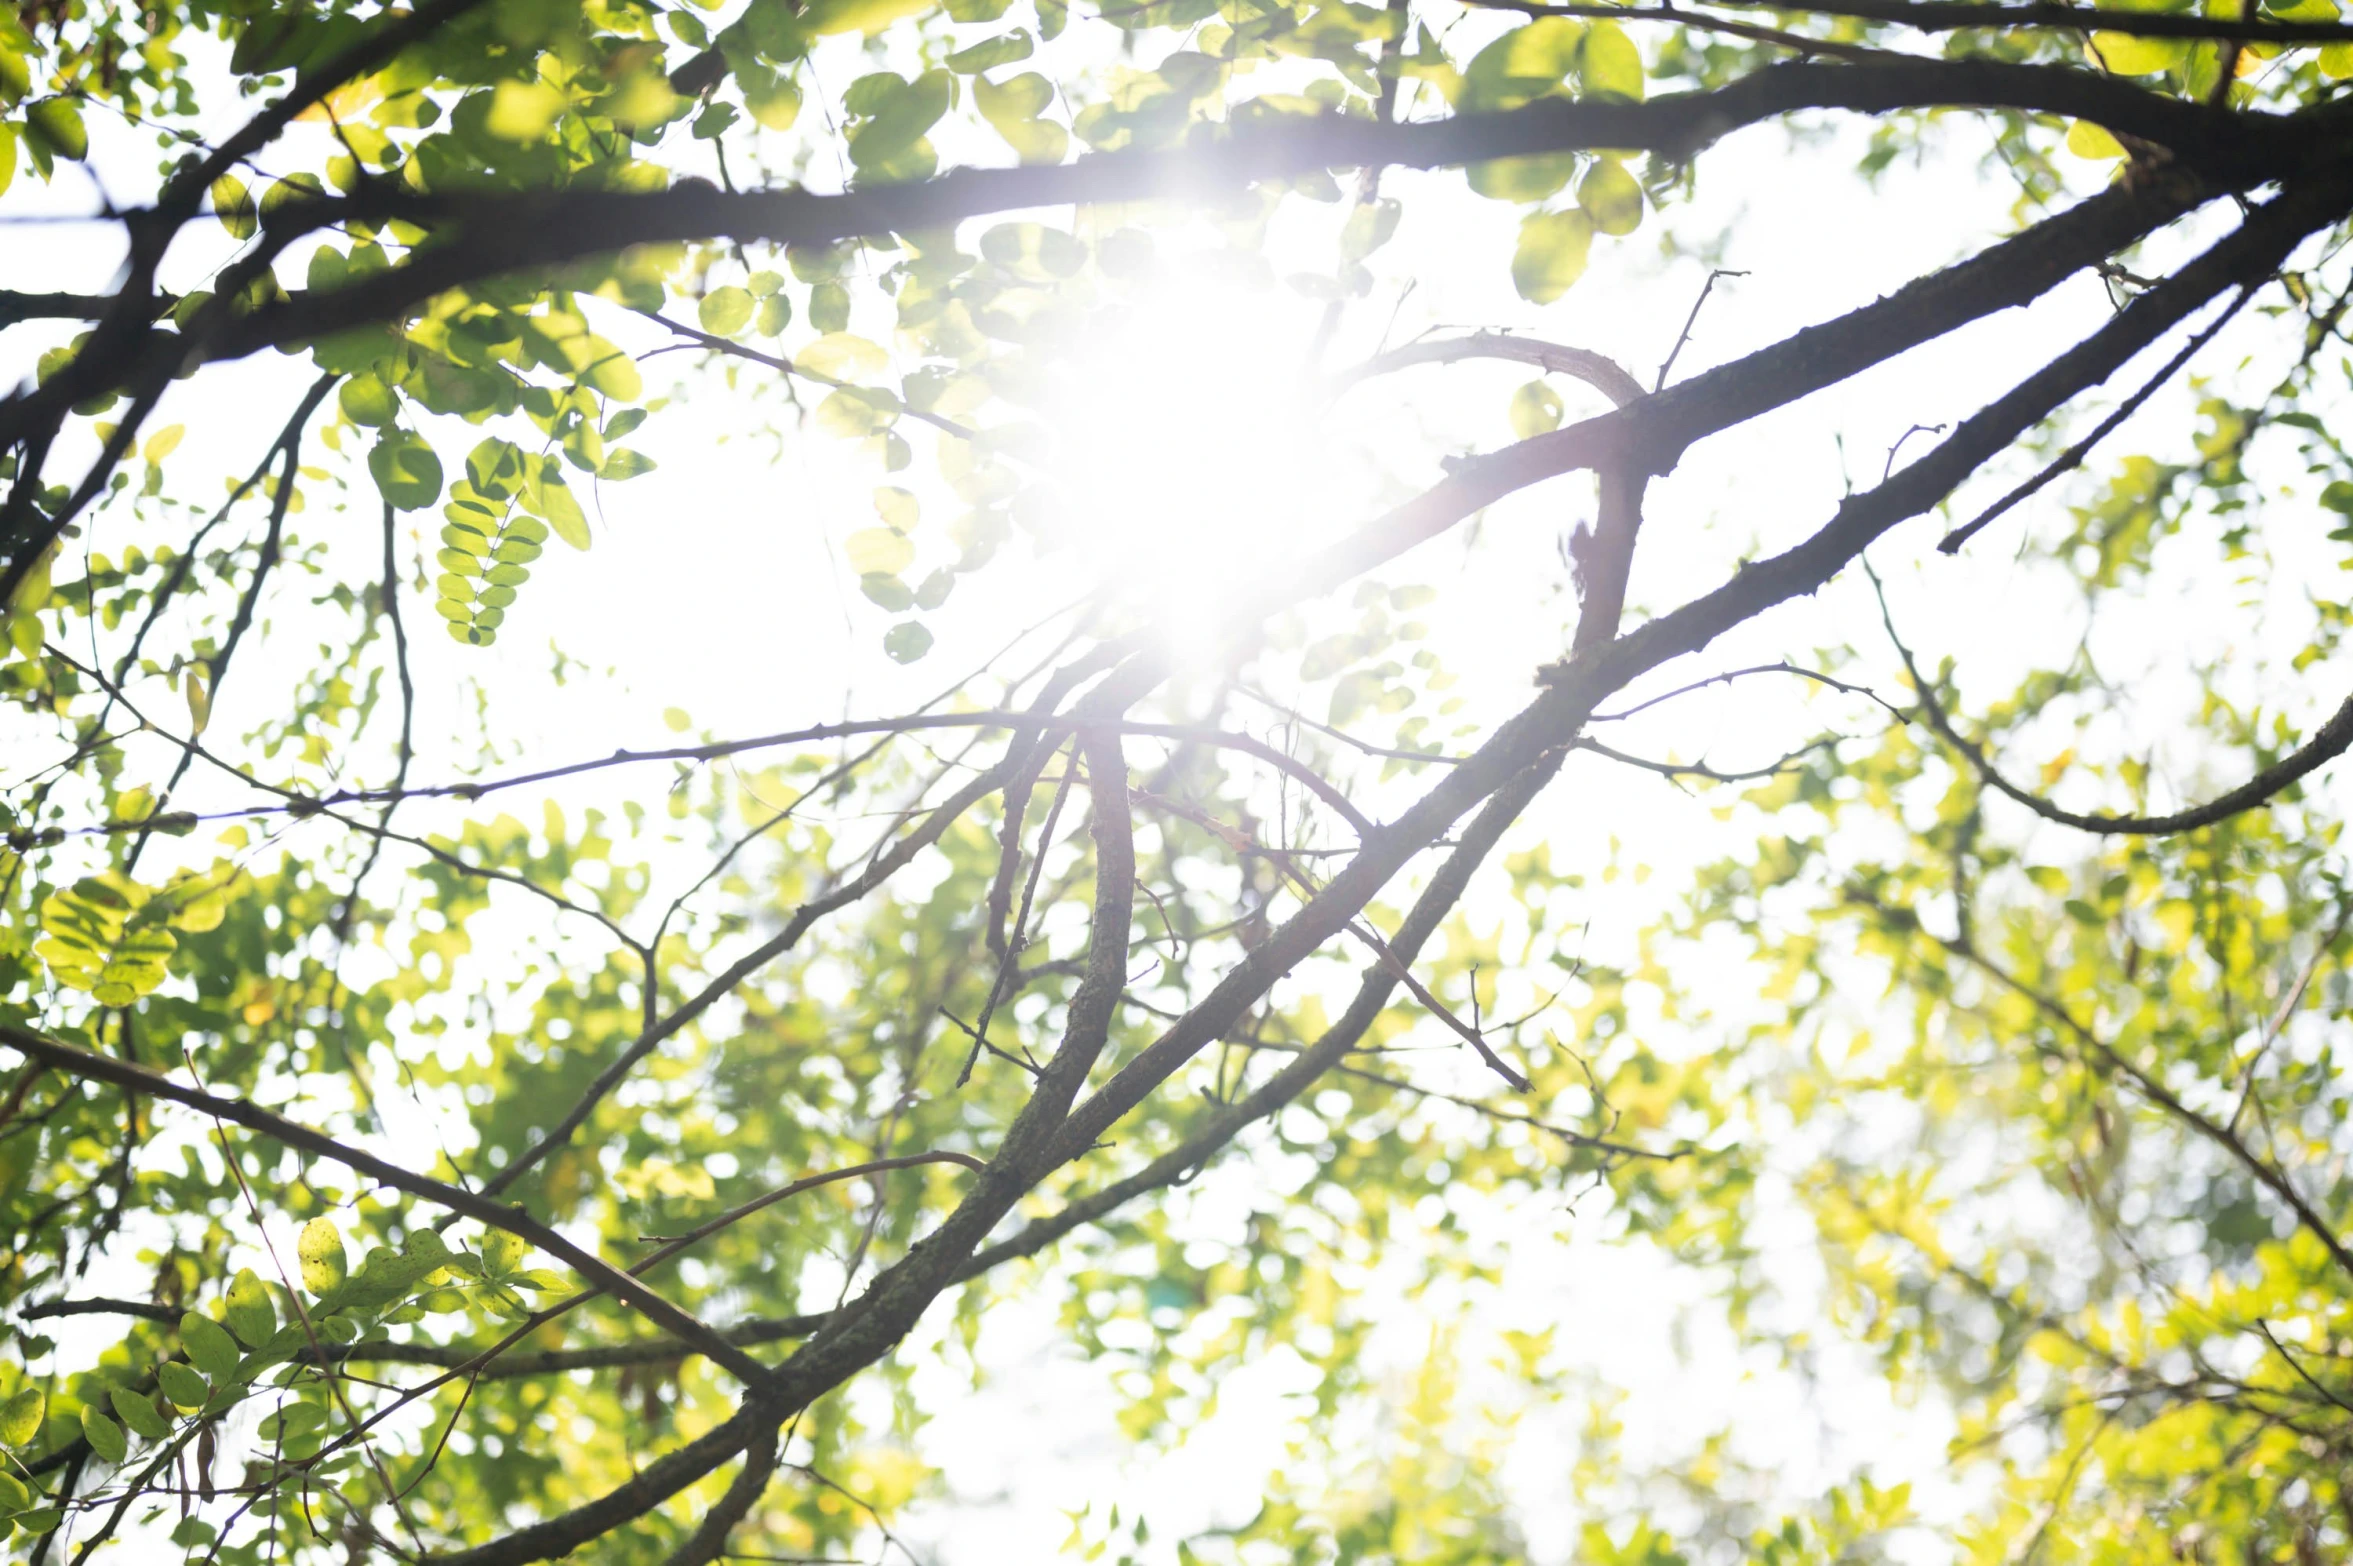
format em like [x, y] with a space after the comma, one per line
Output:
[488, 1156]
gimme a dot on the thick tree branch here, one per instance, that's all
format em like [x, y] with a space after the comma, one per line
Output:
[483, 237]
[1945, 16]
[16, 307]
[1379, 983]
[2253, 250]
[2072, 458]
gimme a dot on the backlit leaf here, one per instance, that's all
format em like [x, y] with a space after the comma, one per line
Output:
[320, 1250]
[1551, 254]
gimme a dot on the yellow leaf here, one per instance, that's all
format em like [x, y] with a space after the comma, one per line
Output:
[163, 442]
[1535, 408]
[879, 550]
[842, 357]
[2087, 140]
[522, 111]
[199, 693]
[344, 103]
[860, 16]
[1551, 254]
[2128, 55]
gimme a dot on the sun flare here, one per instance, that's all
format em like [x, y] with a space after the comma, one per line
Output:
[1187, 451]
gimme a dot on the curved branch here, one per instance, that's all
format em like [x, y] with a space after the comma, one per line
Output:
[1599, 371]
[1372, 997]
[83, 1064]
[2268, 1174]
[1693, 769]
[2328, 742]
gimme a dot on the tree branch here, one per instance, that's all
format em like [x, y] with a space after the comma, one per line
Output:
[491, 236]
[2326, 744]
[87, 1066]
[1599, 371]
[1945, 16]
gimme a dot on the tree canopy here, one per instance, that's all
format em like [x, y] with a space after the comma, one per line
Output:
[430, 1132]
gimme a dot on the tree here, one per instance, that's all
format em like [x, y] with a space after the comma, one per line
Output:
[2046, 1064]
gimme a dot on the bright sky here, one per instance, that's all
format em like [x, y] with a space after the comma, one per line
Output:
[716, 584]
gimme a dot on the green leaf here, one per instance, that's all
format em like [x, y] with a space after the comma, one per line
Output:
[2087, 140]
[2130, 55]
[907, 641]
[1535, 408]
[14, 1497]
[139, 1414]
[829, 307]
[294, 187]
[320, 1249]
[614, 373]
[1551, 254]
[990, 53]
[105, 1436]
[523, 111]
[549, 497]
[725, 311]
[898, 112]
[1608, 64]
[887, 591]
[56, 126]
[97, 940]
[406, 470]
[1611, 197]
[1522, 65]
[825, 17]
[857, 411]
[210, 1348]
[253, 1315]
[502, 1253]
[387, 1277]
[365, 400]
[1522, 179]
[772, 98]
[20, 1416]
[182, 1385]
